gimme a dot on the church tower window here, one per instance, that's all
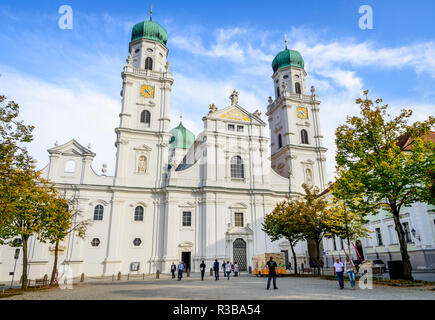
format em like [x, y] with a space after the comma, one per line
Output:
[148, 63]
[145, 117]
[279, 141]
[138, 213]
[98, 213]
[298, 88]
[277, 92]
[237, 168]
[304, 136]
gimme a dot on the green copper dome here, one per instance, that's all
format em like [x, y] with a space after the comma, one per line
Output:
[151, 30]
[181, 138]
[287, 58]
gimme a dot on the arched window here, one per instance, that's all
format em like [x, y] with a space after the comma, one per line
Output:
[145, 117]
[138, 213]
[148, 64]
[98, 213]
[70, 166]
[279, 141]
[298, 87]
[304, 136]
[277, 92]
[237, 169]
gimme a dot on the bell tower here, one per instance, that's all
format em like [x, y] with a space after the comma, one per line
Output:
[297, 150]
[143, 133]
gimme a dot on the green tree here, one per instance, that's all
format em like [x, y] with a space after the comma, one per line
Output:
[345, 224]
[312, 206]
[383, 162]
[285, 221]
[63, 220]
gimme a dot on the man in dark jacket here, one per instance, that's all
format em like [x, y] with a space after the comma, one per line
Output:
[173, 269]
[216, 269]
[202, 268]
[271, 267]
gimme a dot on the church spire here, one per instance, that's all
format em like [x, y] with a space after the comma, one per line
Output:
[285, 37]
[151, 13]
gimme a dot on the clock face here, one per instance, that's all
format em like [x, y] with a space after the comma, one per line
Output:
[147, 91]
[302, 113]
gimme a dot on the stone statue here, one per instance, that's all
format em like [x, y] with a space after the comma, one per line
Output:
[309, 177]
[234, 98]
[257, 113]
[313, 90]
[212, 108]
[270, 100]
[142, 165]
[104, 169]
[168, 66]
[129, 60]
[284, 88]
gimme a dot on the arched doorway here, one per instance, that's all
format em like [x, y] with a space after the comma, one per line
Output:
[239, 253]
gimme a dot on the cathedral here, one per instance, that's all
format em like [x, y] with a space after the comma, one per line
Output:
[175, 196]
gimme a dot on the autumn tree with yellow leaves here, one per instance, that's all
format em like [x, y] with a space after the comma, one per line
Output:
[29, 205]
[285, 221]
[383, 162]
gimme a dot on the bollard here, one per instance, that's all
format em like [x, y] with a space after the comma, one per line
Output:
[119, 275]
[45, 280]
[128, 276]
[250, 270]
[113, 277]
[157, 274]
[211, 271]
[82, 278]
[188, 272]
[143, 276]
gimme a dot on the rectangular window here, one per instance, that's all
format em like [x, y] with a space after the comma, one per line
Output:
[238, 219]
[391, 233]
[231, 127]
[405, 227]
[187, 219]
[239, 128]
[379, 237]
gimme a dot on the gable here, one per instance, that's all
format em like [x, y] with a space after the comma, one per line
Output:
[235, 114]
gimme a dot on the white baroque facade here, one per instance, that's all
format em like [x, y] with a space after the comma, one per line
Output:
[175, 196]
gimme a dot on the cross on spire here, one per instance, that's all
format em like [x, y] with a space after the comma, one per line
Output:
[151, 13]
[285, 37]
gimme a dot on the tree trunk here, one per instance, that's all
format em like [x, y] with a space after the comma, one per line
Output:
[294, 258]
[318, 256]
[24, 276]
[407, 267]
[53, 272]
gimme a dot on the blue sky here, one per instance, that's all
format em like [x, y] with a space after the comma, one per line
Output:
[68, 81]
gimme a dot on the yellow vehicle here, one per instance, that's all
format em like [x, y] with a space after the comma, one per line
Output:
[260, 261]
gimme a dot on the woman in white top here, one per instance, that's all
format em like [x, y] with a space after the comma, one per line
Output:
[236, 269]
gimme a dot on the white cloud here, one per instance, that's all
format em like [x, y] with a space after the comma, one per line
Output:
[63, 113]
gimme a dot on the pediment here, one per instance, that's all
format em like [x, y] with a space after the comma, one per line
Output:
[240, 231]
[236, 113]
[71, 148]
[143, 148]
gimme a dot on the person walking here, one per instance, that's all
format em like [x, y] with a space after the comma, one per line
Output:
[228, 269]
[271, 267]
[349, 269]
[236, 269]
[338, 270]
[173, 269]
[223, 267]
[216, 269]
[202, 268]
[180, 270]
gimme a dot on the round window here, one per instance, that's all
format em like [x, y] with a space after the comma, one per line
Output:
[137, 242]
[95, 242]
